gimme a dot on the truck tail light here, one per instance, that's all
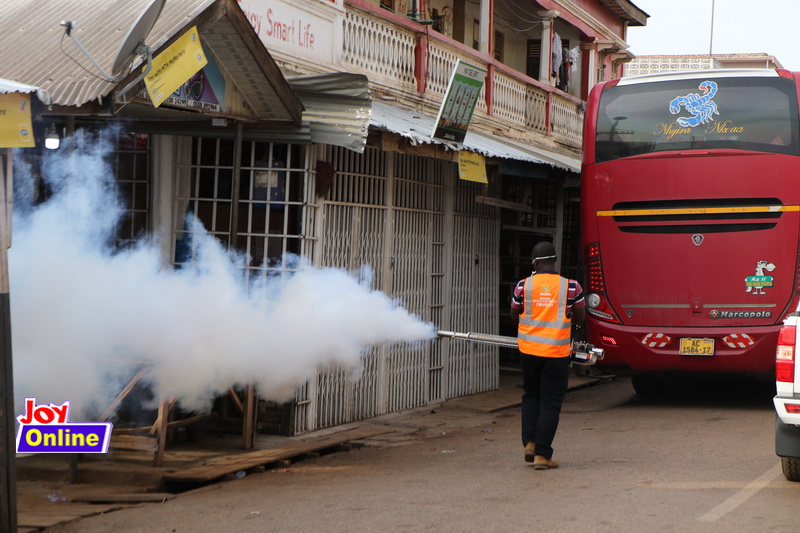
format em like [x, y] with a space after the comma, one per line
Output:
[784, 355]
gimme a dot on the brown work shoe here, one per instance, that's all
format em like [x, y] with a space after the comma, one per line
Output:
[540, 462]
[530, 452]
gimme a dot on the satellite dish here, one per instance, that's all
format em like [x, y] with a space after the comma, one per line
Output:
[136, 35]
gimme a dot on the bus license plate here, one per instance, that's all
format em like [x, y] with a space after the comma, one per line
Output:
[692, 346]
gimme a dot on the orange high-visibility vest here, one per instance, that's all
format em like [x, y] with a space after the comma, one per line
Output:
[544, 328]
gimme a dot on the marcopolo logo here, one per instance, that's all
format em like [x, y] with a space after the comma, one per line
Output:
[46, 429]
[739, 314]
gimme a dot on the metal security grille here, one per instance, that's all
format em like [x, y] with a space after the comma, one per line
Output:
[128, 155]
[473, 367]
[392, 212]
[418, 201]
[130, 161]
[428, 244]
[270, 207]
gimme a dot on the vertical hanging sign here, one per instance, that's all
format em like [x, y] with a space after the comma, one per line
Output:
[459, 102]
[16, 129]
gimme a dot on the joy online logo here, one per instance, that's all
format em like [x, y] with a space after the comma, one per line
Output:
[46, 429]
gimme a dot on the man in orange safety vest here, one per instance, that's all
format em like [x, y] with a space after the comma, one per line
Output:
[544, 305]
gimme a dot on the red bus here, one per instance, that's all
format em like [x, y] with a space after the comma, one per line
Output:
[690, 220]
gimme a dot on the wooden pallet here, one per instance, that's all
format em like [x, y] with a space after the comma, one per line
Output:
[153, 439]
[218, 467]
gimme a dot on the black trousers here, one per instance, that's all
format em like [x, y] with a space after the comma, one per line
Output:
[544, 382]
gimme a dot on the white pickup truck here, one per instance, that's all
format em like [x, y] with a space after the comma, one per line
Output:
[787, 398]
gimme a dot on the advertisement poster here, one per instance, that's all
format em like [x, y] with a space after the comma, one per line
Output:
[174, 66]
[205, 90]
[459, 102]
[16, 129]
[472, 167]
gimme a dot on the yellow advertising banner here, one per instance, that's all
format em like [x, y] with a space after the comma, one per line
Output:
[16, 129]
[472, 167]
[172, 67]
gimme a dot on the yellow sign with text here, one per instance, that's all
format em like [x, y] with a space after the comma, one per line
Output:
[16, 129]
[472, 167]
[174, 66]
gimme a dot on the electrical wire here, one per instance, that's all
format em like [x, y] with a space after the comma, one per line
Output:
[511, 7]
[510, 24]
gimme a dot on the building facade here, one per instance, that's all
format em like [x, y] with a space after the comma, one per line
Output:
[318, 143]
[654, 64]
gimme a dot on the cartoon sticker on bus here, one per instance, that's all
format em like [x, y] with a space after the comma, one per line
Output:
[755, 284]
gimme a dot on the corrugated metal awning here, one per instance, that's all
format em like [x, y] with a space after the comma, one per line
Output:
[338, 108]
[419, 127]
[8, 86]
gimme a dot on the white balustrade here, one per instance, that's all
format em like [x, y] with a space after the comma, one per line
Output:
[536, 110]
[373, 47]
[509, 100]
[566, 120]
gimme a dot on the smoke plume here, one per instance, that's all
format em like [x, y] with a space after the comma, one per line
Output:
[84, 318]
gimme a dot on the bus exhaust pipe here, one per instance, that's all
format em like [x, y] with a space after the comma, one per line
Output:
[581, 353]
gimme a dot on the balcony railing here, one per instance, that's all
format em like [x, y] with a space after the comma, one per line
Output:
[407, 61]
[385, 52]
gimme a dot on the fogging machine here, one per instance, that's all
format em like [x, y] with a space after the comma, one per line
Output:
[581, 352]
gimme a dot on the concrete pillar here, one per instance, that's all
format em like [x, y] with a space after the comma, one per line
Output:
[546, 59]
[486, 24]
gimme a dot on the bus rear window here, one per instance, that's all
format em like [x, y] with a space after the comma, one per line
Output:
[758, 114]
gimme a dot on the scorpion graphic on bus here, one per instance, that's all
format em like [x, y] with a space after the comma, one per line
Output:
[701, 107]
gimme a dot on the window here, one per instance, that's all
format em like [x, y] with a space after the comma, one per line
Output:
[533, 58]
[499, 42]
[269, 210]
[130, 162]
[698, 113]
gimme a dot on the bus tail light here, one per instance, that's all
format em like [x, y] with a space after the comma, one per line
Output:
[656, 340]
[784, 355]
[792, 408]
[738, 340]
[596, 301]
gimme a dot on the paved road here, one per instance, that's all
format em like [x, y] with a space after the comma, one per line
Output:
[701, 459]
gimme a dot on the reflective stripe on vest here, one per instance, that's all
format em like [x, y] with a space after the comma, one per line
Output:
[544, 329]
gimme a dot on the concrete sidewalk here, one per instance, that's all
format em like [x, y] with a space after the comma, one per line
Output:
[124, 479]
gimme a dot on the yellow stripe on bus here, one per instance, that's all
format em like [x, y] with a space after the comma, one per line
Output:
[699, 210]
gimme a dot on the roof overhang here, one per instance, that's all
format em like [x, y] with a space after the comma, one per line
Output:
[34, 51]
[8, 86]
[226, 32]
[418, 129]
[338, 108]
[337, 111]
[627, 11]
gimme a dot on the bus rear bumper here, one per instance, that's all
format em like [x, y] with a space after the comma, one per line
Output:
[630, 347]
